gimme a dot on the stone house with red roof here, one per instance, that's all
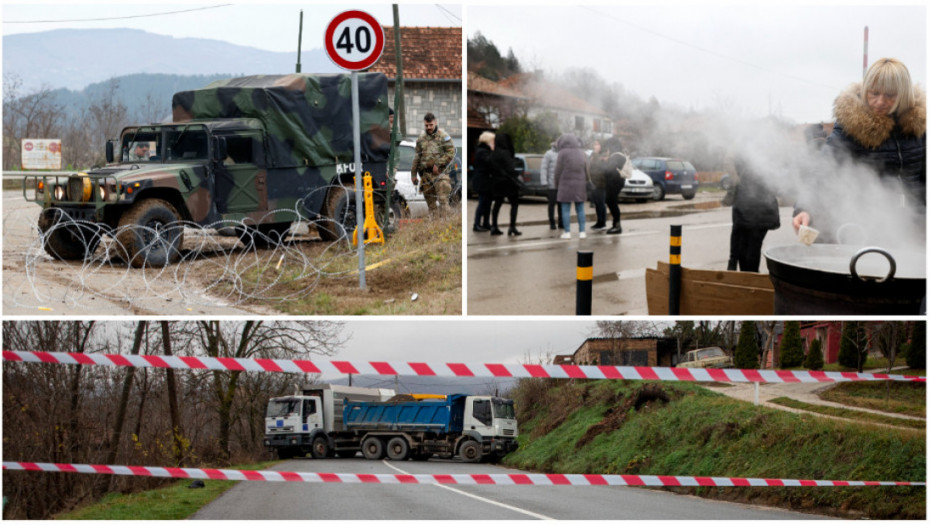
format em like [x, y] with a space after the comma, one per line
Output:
[432, 72]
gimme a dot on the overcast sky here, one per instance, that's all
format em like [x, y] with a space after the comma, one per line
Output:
[269, 26]
[753, 60]
[460, 340]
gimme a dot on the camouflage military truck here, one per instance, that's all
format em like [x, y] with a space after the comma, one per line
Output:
[262, 151]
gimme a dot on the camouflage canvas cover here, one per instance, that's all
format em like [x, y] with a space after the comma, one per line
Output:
[308, 117]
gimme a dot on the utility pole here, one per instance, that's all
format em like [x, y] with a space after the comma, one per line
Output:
[300, 33]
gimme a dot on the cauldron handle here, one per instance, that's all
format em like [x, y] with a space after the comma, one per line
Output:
[869, 249]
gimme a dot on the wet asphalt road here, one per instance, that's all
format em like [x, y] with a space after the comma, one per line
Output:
[535, 274]
[331, 501]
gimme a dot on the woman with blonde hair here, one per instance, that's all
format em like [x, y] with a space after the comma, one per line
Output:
[482, 182]
[882, 123]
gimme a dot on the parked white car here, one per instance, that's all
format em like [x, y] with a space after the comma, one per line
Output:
[639, 187]
[413, 205]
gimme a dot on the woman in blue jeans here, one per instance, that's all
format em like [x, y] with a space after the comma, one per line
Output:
[571, 176]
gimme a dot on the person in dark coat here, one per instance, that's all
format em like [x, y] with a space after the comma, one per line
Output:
[482, 181]
[571, 178]
[598, 193]
[755, 212]
[504, 183]
[880, 123]
[613, 181]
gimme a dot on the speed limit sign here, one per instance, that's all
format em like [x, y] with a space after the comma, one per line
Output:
[354, 40]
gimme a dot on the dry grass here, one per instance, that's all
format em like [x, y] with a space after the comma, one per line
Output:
[424, 257]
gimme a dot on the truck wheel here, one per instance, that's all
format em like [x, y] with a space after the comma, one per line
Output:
[470, 451]
[398, 449]
[150, 233]
[66, 240]
[338, 214]
[264, 235]
[320, 448]
[373, 448]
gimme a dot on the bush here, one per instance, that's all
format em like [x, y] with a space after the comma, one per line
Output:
[916, 353]
[747, 348]
[852, 346]
[814, 358]
[791, 352]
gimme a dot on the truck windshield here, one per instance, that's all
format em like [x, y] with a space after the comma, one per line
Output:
[283, 407]
[141, 146]
[503, 409]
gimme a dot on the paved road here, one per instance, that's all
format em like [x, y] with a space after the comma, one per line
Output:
[305, 501]
[534, 274]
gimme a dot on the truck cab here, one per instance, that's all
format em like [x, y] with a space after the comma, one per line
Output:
[491, 422]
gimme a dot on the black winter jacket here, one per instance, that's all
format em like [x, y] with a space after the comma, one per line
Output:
[502, 167]
[481, 180]
[755, 205]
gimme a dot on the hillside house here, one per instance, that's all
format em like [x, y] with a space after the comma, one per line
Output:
[432, 71]
[610, 351]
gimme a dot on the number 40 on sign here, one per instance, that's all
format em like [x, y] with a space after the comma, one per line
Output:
[354, 40]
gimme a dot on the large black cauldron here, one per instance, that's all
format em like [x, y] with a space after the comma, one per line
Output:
[838, 279]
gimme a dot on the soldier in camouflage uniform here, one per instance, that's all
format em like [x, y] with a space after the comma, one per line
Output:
[434, 154]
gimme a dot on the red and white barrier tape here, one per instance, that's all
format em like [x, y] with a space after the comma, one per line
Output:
[445, 479]
[436, 369]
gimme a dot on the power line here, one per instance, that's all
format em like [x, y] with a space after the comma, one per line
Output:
[448, 13]
[112, 18]
[708, 51]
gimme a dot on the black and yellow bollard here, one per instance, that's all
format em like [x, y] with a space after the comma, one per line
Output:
[585, 279]
[370, 227]
[674, 271]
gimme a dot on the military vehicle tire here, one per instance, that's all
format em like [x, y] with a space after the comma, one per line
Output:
[67, 242]
[338, 214]
[264, 235]
[398, 449]
[373, 448]
[320, 448]
[470, 451]
[150, 234]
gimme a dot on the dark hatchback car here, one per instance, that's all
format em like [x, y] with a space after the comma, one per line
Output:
[670, 176]
[527, 166]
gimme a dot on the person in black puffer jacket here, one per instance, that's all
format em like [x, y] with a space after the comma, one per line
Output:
[504, 182]
[882, 124]
[482, 182]
[755, 212]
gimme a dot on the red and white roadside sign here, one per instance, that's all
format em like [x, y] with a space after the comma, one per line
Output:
[354, 40]
[41, 154]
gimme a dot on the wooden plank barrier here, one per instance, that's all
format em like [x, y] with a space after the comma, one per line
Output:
[711, 292]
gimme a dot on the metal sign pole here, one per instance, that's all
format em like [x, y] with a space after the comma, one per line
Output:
[359, 209]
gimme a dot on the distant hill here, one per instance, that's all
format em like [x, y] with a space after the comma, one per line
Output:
[77, 58]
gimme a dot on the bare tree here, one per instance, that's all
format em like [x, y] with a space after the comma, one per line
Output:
[35, 115]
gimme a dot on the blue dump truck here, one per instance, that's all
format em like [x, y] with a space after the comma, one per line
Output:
[334, 420]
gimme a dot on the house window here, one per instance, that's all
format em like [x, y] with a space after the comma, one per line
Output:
[579, 123]
[608, 127]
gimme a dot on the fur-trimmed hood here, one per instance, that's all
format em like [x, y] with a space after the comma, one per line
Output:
[871, 130]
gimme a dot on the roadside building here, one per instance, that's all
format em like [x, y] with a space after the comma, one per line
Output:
[432, 72]
[634, 351]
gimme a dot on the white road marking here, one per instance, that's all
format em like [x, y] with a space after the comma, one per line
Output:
[479, 498]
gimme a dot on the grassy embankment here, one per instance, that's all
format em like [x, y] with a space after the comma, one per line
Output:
[615, 427]
[896, 397]
[173, 502]
[423, 257]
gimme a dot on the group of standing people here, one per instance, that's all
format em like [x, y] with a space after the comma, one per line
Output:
[567, 173]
